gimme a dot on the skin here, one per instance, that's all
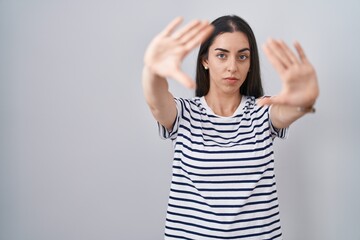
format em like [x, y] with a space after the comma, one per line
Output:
[167, 50]
[228, 64]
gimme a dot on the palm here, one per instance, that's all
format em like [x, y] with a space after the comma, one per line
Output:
[300, 87]
[166, 56]
[168, 49]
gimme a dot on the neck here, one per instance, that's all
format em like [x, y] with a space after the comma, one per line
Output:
[223, 104]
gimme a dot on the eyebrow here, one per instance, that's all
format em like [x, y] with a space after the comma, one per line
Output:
[224, 50]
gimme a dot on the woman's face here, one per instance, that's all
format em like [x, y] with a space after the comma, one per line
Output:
[228, 62]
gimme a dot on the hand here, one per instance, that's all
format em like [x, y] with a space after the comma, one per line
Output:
[167, 50]
[300, 86]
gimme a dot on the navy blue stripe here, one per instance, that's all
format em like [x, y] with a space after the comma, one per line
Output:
[165, 134]
[221, 168]
[251, 150]
[226, 159]
[278, 132]
[223, 237]
[179, 237]
[224, 205]
[224, 181]
[162, 131]
[224, 189]
[274, 237]
[222, 174]
[223, 230]
[225, 214]
[224, 198]
[223, 222]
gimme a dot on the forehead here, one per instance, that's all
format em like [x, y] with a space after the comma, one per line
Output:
[231, 41]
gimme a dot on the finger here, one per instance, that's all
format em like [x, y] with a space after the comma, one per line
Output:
[288, 52]
[279, 52]
[184, 79]
[200, 37]
[274, 60]
[262, 101]
[171, 26]
[195, 31]
[300, 51]
[180, 34]
[272, 100]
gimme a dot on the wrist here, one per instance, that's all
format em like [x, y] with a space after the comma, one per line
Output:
[310, 109]
[151, 73]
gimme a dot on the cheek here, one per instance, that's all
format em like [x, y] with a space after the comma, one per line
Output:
[216, 69]
[245, 68]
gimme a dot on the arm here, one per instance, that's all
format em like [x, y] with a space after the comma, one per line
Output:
[283, 116]
[300, 87]
[159, 99]
[163, 59]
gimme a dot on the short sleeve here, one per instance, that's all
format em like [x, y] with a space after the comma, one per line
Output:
[281, 133]
[163, 131]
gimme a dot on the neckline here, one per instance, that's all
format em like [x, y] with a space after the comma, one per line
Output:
[236, 112]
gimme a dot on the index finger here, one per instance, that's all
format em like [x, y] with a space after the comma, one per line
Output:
[171, 26]
[300, 51]
[274, 60]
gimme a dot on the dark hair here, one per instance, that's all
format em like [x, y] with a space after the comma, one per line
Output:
[231, 23]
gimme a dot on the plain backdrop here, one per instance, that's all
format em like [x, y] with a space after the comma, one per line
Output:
[80, 156]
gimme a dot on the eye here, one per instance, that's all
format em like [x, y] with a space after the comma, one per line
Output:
[243, 57]
[221, 56]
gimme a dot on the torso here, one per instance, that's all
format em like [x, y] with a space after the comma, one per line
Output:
[223, 183]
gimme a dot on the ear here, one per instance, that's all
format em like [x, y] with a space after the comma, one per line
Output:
[205, 63]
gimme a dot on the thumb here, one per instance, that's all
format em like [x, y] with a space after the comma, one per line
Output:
[269, 100]
[184, 79]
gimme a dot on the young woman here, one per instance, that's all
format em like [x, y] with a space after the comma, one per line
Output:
[223, 183]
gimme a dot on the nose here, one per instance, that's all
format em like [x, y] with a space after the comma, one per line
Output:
[232, 66]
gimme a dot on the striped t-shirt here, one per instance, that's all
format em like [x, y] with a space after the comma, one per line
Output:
[223, 181]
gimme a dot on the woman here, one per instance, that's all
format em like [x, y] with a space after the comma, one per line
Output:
[223, 183]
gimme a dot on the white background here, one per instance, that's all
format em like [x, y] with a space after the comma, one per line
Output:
[80, 157]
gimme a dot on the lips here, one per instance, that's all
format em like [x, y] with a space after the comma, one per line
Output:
[232, 78]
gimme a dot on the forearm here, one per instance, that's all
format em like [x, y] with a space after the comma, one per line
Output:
[158, 97]
[282, 116]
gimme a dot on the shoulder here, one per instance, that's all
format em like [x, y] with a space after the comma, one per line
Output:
[187, 100]
[249, 102]
[191, 105]
[194, 101]
[250, 106]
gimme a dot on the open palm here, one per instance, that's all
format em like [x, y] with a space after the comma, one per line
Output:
[300, 86]
[167, 50]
